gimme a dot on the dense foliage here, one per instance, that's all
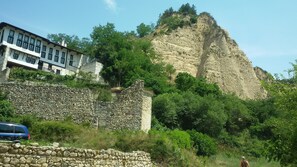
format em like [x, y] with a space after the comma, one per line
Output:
[283, 128]
[6, 109]
[73, 42]
[185, 16]
[144, 30]
[127, 58]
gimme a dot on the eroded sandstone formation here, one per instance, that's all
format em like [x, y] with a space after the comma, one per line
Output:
[205, 49]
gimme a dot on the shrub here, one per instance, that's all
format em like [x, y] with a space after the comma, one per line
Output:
[204, 144]
[55, 131]
[6, 108]
[104, 94]
[28, 120]
[165, 151]
[181, 138]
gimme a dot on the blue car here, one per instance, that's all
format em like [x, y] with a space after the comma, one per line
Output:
[11, 131]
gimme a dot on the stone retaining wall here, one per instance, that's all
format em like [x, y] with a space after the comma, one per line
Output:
[33, 156]
[51, 102]
[131, 108]
[125, 112]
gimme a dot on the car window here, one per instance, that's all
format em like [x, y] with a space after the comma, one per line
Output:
[6, 129]
[19, 130]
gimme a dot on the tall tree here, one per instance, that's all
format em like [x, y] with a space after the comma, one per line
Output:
[127, 58]
[144, 30]
[187, 9]
[284, 127]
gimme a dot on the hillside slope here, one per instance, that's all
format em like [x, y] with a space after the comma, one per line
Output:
[204, 49]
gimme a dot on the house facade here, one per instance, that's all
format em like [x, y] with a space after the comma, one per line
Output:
[22, 48]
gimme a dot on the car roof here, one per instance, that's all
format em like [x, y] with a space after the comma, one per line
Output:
[9, 123]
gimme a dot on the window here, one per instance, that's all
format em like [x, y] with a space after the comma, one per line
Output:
[19, 130]
[50, 54]
[58, 72]
[56, 59]
[10, 37]
[71, 60]
[33, 61]
[26, 41]
[20, 40]
[2, 37]
[32, 42]
[63, 58]
[37, 48]
[30, 60]
[6, 129]
[43, 51]
[15, 55]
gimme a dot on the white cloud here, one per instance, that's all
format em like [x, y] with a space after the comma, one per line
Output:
[111, 4]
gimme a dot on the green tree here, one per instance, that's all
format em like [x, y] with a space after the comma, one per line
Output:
[143, 30]
[73, 42]
[239, 116]
[284, 126]
[127, 58]
[186, 82]
[203, 114]
[187, 9]
[167, 13]
[205, 145]
[165, 109]
[190, 111]
[170, 70]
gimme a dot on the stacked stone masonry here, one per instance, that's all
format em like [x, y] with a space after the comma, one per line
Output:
[32, 156]
[131, 109]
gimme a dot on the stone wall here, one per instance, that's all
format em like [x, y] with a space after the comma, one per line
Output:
[146, 115]
[51, 102]
[131, 108]
[20, 155]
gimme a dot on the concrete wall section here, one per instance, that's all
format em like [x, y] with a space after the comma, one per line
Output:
[20, 155]
[146, 113]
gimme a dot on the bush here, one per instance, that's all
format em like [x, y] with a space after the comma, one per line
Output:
[205, 145]
[181, 138]
[6, 108]
[28, 120]
[165, 151]
[55, 131]
[104, 95]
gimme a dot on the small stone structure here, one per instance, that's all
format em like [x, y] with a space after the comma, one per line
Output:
[20, 155]
[131, 109]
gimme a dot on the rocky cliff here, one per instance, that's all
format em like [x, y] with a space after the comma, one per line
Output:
[205, 49]
[263, 75]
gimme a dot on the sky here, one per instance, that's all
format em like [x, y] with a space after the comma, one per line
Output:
[266, 30]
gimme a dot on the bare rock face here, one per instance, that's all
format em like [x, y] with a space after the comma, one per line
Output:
[263, 75]
[204, 49]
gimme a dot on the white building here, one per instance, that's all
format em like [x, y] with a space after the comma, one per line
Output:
[19, 47]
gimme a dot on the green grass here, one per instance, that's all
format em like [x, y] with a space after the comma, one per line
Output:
[226, 160]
